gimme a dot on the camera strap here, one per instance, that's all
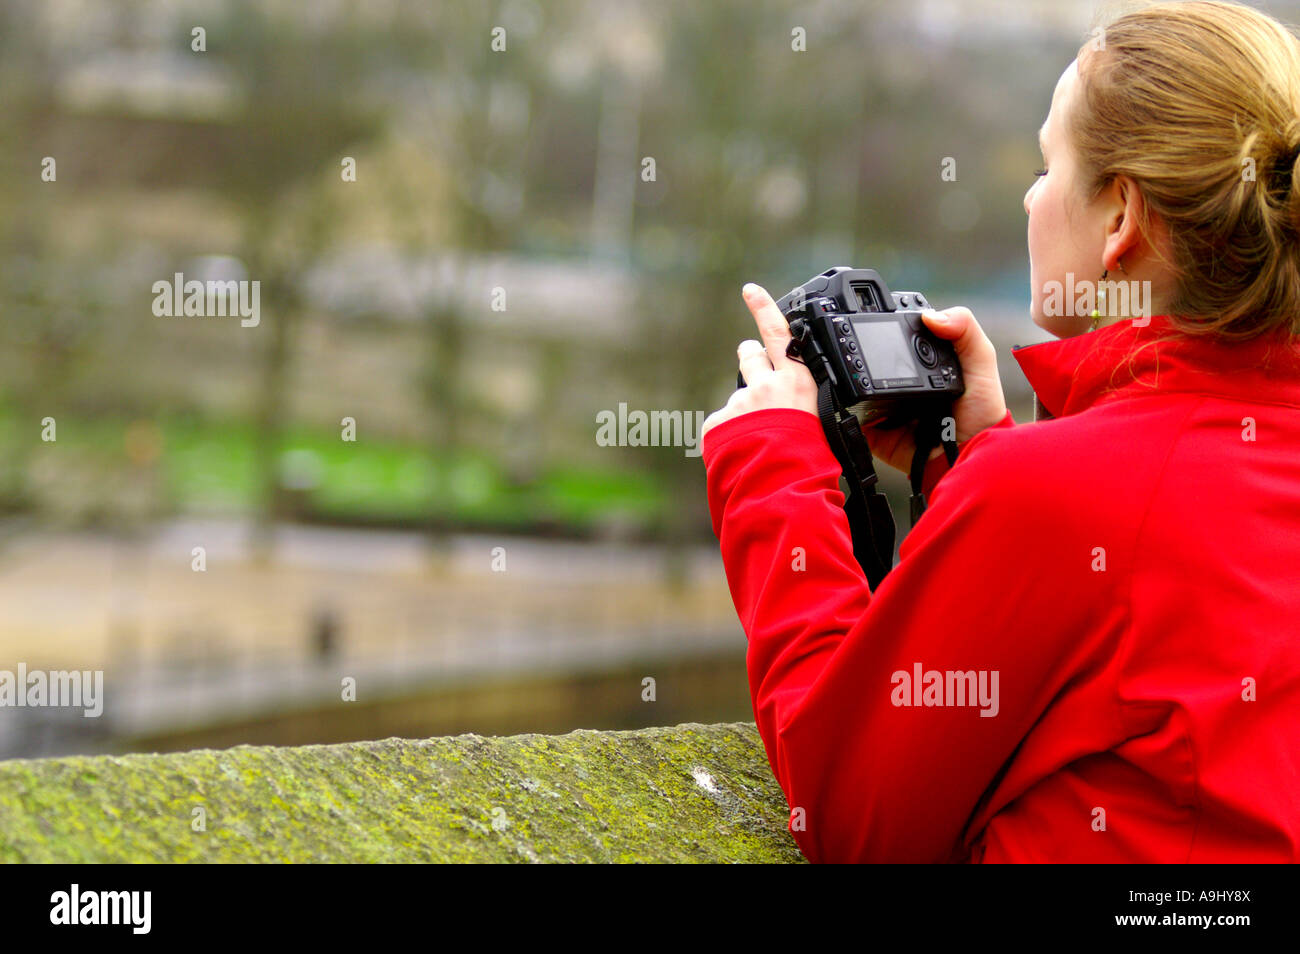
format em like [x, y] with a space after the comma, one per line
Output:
[928, 435]
[871, 522]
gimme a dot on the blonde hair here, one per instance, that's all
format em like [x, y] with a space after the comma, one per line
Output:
[1199, 103]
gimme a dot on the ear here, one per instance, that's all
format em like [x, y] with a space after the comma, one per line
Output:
[1125, 207]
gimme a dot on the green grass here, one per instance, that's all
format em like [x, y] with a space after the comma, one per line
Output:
[212, 465]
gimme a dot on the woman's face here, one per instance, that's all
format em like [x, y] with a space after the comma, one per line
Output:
[1065, 235]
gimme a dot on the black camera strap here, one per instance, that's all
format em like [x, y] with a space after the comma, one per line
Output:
[929, 431]
[871, 522]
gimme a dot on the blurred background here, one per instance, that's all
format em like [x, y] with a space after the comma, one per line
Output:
[505, 266]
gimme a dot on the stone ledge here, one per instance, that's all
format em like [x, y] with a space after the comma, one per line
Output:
[688, 793]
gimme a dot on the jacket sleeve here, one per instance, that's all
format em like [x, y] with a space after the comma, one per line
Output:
[874, 771]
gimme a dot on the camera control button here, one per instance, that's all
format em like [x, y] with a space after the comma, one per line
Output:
[925, 351]
[857, 363]
[905, 301]
[936, 380]
[852, 346]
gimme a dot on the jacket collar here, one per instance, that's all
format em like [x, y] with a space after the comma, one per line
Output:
[1127, 360]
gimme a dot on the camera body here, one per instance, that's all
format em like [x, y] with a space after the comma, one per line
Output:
[883, 364]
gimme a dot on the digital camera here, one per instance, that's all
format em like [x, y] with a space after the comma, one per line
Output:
[870, 343]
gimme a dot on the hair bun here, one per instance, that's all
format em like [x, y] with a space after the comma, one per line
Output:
[1199, 104]
[1283, 162]
[1288, 144]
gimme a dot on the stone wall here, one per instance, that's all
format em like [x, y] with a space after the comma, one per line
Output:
[688, 793]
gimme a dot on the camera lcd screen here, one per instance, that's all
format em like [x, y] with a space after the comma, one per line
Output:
[886, 349]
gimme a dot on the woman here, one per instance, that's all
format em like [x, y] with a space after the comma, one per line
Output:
[1090, 647]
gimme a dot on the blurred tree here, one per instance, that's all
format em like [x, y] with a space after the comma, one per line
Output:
[298, 121]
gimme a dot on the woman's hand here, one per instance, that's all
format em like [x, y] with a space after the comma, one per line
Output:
[771, 378]
[774, 380]
[981, 406]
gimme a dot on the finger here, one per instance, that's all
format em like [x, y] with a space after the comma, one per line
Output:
[753, 360]
[959, 326]
[772, 326]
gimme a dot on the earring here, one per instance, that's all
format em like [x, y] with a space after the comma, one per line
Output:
[1101, 299]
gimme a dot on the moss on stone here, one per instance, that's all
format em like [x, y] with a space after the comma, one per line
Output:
[688, 793]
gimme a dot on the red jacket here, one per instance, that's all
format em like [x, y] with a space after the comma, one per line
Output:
[1129, 570]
